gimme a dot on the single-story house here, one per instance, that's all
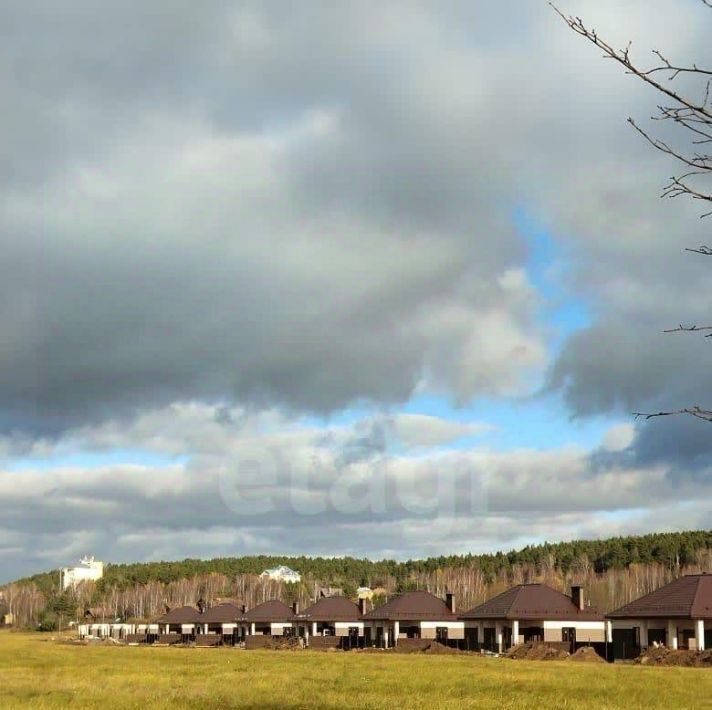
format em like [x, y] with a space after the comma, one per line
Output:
[272, 618]
[131, 633]
[678, 615]
[145, 633]
[413, 615]
[185, 621]
[99, 629]
[222, 621]
[529, 613]
[331, 621]
[121, 631]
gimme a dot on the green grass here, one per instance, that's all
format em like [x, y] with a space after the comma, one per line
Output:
[40, 673]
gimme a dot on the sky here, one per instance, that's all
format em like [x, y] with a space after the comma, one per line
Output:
[332, 278]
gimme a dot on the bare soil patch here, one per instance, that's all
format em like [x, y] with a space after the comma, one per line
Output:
[537, 652]
[668, 657]
[586, 654]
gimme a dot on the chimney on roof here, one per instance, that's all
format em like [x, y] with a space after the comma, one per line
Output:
[243, 608]
[577, 597]
[450, 601]
[363, 606]
[295, 608]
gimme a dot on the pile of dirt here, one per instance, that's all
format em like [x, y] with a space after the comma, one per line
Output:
[285, 643]
[537, 652]
[663, 656]
[586, 654]
[439, 648]
[433, 647]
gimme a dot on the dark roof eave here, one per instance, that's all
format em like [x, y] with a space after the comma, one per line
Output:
[266, 620]
[325, 619]
[533, 616]
[409, 617]
[642, 614]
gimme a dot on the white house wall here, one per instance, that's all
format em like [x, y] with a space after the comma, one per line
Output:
[455, 629]
[656, 624]
[342, 627]
[586, 631]
[278, 629]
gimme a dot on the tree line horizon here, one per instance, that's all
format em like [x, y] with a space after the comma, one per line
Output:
[613, 571]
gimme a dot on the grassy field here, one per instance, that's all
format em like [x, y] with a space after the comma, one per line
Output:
[38, 672]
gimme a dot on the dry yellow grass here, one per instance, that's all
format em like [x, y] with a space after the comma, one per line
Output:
[40, 673]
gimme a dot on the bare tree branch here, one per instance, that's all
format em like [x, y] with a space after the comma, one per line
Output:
[622, 56]
[674, 70]
[689, 329]
[693, 115]
[701, 162]
[698, 412]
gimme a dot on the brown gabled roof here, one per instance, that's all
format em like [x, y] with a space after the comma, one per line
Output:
[413, 606]
[181, 615]
[332, 609]
[273, 610]
[226, 613]
[688, 597]
[532, 601]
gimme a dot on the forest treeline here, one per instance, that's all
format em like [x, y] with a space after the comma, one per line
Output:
[613, 571]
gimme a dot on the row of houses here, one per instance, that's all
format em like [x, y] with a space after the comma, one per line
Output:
[675, 615]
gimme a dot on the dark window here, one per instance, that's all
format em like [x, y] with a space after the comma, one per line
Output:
[532, 634]
[626, 643]
[656, 636]
[411, 632]
[471, 639]
[568, 634]
[490, 639]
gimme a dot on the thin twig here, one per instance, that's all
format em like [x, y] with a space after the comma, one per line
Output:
[698, 412]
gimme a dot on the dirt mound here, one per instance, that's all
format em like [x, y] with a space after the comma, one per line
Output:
[663, 656]
[537, 652]
[286, 643]
[438, 648]
[432, 647]
[586, 654]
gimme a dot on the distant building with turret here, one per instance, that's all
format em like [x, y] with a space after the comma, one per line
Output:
[282, 574]
[90, 570]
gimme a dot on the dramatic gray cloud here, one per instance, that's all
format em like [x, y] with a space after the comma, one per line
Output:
[312, 205]
[303, 205]
[260, 210]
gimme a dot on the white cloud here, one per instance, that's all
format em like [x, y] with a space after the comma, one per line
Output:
[255, 483]
[619, 437]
